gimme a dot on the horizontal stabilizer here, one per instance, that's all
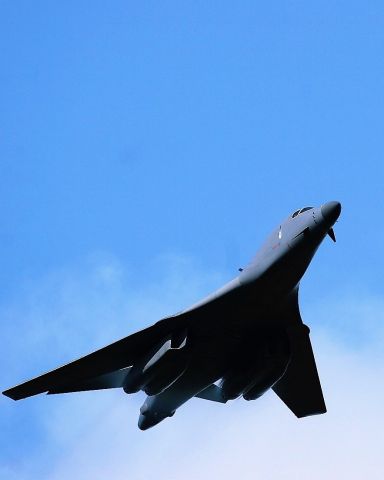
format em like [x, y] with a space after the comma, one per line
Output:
[213, 393]
[299, 388]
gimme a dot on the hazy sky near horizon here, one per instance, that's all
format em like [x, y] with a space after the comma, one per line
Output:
[146, 150]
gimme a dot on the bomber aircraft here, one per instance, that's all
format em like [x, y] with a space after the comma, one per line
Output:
[242, 340]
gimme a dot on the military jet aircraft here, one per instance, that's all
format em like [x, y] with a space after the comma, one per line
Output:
[243, 339]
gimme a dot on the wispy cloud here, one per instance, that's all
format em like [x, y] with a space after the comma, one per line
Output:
[94, 435]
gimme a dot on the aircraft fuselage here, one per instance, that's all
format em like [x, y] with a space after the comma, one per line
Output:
[243, 339]
[246, 317]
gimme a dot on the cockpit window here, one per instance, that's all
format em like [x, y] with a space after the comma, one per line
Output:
[305, 209]
[301, 211]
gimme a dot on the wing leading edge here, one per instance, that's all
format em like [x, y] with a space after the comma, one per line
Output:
[116, 356]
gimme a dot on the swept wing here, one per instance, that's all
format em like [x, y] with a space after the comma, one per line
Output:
[116, 356]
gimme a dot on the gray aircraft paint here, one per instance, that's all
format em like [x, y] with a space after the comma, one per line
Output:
[248, 336]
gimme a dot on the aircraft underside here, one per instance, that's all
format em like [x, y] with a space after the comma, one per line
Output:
[210, 375]
[243, 339]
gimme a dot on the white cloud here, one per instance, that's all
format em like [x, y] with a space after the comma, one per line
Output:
[94, 435]
[248, 440]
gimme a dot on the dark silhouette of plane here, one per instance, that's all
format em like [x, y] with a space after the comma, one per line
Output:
[245, 338]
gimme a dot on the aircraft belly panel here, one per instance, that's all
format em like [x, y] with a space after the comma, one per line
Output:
[199, 374]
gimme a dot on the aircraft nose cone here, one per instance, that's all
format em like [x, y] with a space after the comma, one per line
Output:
[331, 211]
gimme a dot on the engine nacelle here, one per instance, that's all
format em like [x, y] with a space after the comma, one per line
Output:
[265, 380]
[159, 368]
[172, 365]
[237, 380]
[252, 377]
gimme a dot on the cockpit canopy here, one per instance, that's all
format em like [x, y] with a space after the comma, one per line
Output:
[301, 211]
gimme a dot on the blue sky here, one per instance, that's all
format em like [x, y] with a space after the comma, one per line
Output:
[146, 149]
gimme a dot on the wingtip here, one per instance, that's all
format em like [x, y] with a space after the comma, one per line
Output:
[19, 392]
[319, 411]
[8, 393]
